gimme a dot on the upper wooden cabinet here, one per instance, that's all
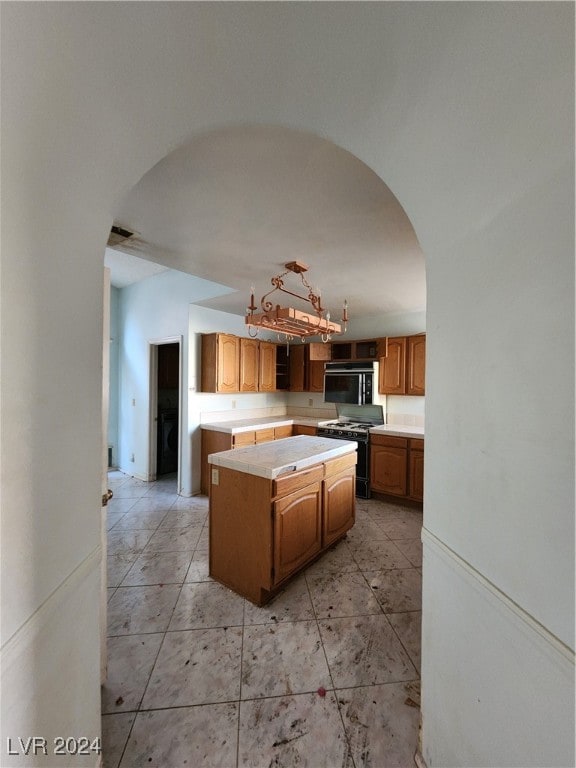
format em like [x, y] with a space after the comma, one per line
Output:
[403, 368]
[306, 366]
[296, 369]
[232, 364]
[267, 367]
[416, 365]
[392, 373]
[220, 363]
[249, 357]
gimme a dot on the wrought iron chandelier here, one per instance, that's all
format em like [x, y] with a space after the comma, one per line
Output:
[293, 323]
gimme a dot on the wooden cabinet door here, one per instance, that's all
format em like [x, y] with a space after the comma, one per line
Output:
[302, 429]
[249, 349]
[338, 496]
[267, 367]
[416, 474]
[227, 363]
[388, 469]
[315, 376]
[392, 374]
[296, 367]
[297, 530]
[416, 365]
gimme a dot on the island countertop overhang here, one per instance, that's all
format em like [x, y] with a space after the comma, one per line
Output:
[290, 454]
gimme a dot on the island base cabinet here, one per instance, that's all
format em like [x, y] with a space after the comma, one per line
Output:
[240, 533]
[297, 531]
[264, 531]
[339, 496]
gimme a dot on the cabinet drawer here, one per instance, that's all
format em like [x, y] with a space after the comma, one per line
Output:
[291, 482]
[335, 466]
[416, 445]
[264, 435]
[244, 438]
[280, 432]
[390, 442]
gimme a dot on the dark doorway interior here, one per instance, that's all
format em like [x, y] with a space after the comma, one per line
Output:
[168, 400]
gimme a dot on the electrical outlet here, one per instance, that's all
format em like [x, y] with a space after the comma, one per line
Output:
[215, 477]
[233, 403]
[133, 401]
[310, 402]
[132, 457]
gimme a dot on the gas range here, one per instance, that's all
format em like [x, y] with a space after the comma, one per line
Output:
[353, 423]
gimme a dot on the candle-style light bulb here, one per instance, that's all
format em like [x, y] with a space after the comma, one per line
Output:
[252, 306]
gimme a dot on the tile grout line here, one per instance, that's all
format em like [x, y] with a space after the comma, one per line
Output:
[344, 731]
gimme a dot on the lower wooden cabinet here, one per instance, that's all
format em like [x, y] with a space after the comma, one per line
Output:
[297, 530]
[303, 429]
[397, 466]
[338, 494]
[416, 470]
[264, 531]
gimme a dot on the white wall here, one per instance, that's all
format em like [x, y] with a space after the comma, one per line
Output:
[499, 540]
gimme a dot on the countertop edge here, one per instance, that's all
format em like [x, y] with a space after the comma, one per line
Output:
[247, 425]
[233, 459]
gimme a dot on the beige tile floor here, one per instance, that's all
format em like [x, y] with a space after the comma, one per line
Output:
[324, 676]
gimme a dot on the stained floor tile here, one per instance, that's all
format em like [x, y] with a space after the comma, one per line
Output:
[304, 731]
[199, 666]
[381, 726]
[174, 539]
[408, 627]
[290, 604]
[412, 548]
[397, 590]
[281, 659]
[130, 662]
[374, 555]
[133, 610]
[115, 731]
[158, 568]
[345, 594]
[364, 650]
[207, 604]
[185, 737]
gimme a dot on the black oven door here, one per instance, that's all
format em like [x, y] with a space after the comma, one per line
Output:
[343, 388]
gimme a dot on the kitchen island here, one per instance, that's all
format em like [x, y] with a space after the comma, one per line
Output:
[275, 507]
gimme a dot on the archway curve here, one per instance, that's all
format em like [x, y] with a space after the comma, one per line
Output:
[234, 204]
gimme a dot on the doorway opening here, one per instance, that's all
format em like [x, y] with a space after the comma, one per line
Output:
[165, 407]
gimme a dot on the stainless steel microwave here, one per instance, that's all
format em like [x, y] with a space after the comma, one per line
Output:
[354, 383]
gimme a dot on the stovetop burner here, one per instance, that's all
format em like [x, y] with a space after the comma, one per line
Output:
[348, 424]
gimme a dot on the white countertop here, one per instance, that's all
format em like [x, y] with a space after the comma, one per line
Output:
[398, 430]
[279, 457]
[246, 425]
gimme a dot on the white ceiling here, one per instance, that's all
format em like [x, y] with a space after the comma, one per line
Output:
[234, 205]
